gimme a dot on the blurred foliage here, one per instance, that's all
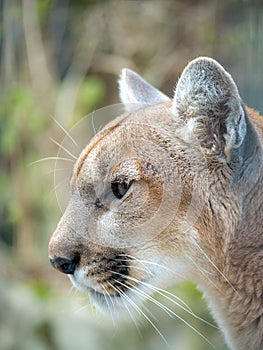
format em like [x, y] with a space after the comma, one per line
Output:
[61, 59]
[91, 94]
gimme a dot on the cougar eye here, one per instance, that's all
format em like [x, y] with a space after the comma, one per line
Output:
[120, 188]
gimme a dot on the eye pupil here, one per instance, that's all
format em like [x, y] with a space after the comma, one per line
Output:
[120, 188]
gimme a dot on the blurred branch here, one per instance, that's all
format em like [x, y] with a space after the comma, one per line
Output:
[7, 45]
[40, 71]
[81, 62]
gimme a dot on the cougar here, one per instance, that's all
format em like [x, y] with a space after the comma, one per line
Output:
[171, 190]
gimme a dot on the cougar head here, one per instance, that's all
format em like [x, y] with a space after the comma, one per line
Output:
[146, 207]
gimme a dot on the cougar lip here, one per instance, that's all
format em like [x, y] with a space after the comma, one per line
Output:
[95, 291]
[102, 292]
[96, 294]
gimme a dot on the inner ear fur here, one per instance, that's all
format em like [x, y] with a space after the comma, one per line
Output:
[207, 101]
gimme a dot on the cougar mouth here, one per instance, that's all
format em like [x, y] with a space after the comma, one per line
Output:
[109, 292]
[101, 296]
[114, 302]
[106, 278]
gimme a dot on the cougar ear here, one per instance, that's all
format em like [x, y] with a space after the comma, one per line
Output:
[207, 101]
[136, 93]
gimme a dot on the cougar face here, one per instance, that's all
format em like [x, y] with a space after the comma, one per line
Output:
[121, 211]
[166, 191]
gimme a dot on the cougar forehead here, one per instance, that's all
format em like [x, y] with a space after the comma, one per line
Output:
[133, 150]
[120, 149]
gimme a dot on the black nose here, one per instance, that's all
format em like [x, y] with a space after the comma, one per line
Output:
[65, 265]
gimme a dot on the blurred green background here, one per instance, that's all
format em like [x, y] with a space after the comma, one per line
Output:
[61, 59]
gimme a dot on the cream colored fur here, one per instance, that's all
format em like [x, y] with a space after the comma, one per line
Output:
[172, 190]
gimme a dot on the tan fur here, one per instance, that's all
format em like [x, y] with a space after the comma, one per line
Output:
[194, 165]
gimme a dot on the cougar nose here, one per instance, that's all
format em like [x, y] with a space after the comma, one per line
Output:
[65, 265]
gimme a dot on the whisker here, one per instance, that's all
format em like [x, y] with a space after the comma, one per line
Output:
[79, 298]
[153, 289]
[150, 313]
[143, 314]
[204, 273]
[134, 267]
[169, 297]
[188, 309]
[146, 269]
[160, 289]
[65, 131]
[64, 148]
[51, 158]
[133, 319]
[60, 184]
[149, 263]
[148, 297]
[92, 122]
[71, 290]
[80, 309]
[56, 169]
[165, 309]
[216, 268]
[172, 313]
[108, 305]
[129, 311]
[163, 293]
